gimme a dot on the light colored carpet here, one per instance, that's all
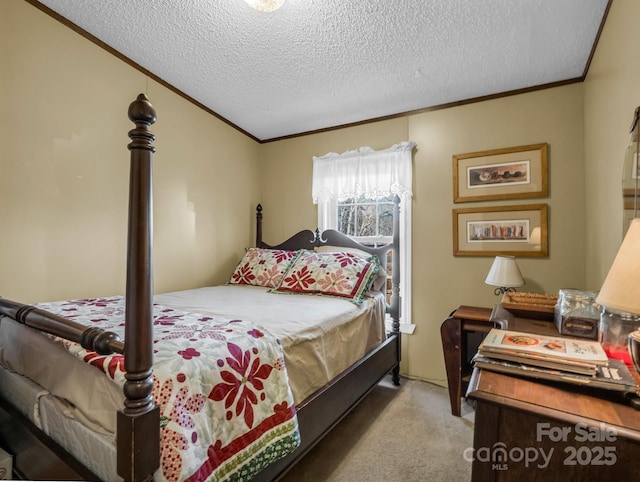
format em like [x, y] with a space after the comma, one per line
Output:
[404, 433]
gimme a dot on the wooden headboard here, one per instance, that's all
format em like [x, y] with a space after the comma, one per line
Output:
[308, 239]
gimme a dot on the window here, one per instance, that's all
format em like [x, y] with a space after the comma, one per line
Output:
[369, 220]
[354, 192]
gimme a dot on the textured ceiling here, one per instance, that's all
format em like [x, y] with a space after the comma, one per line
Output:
[316, 64]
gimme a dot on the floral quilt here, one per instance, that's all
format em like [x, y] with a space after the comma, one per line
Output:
[226, 406]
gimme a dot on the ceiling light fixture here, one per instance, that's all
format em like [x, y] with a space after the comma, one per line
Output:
[265, 5]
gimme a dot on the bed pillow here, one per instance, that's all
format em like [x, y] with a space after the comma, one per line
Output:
[262, 267]
[380, 278]
[338, 274]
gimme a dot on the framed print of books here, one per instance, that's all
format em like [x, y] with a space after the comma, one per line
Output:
[519, 230]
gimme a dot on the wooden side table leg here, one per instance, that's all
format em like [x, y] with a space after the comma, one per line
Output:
[450, 332]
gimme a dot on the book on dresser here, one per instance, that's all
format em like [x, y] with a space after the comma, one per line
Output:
[575, 355]
[613, 376]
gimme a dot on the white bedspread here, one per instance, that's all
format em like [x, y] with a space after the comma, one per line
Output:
[321, 336]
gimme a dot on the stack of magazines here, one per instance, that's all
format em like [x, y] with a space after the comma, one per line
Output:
[571, 360]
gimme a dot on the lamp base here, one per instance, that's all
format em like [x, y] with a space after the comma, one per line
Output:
[502, 290]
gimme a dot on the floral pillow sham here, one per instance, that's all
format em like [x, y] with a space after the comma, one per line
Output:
[262, 267]
[329, 273]
[381, 276]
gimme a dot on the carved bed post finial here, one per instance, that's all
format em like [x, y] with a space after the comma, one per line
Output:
[139, 421]
[142, 114]
[259, 226]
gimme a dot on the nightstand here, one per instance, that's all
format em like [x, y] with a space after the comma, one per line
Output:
[463, 331]
[455, 332]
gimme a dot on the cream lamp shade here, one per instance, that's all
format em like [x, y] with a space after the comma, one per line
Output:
[505, 274]
[265, 5]
[621, 288]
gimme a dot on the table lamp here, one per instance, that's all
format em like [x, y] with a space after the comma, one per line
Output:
[620, 297]
[504, 274]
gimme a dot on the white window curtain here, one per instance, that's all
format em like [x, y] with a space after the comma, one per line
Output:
[373, 174]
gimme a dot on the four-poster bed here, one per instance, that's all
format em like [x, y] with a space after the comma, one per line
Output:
[318, 407]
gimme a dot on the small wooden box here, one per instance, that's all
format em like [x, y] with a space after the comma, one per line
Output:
[530, 305]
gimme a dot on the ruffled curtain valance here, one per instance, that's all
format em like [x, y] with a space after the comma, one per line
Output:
[363, 171]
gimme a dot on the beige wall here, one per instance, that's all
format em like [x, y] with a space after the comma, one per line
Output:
[441, 282]
[287, 171]
[612, 92]
[64, 171]
[65, 166]
[586, 126]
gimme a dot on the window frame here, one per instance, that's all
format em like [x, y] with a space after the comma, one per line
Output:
[328, 219]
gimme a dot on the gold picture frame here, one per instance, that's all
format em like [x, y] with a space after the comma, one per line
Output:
[508, 173]
[501, 231]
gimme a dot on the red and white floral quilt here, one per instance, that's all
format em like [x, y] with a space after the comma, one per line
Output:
[226, 406]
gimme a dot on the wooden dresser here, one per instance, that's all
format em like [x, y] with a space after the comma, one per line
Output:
[528, 430]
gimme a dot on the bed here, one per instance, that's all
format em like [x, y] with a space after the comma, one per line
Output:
[61, 431]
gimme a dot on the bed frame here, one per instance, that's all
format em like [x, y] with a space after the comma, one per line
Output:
[36, 456]
[320, 412]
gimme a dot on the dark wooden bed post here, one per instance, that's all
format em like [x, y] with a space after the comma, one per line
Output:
[259, 225]
[138, 426]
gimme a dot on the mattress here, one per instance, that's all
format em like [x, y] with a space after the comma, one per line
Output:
[321, 337]
[51, 415]
[23, 394]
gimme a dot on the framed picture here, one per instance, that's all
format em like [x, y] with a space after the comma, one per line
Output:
[501, 231]
[509, 173]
